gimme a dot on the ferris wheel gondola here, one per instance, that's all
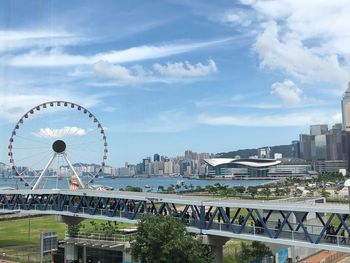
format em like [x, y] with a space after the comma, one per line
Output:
[54, 138]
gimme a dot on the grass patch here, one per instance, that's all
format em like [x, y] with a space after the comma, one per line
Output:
[16, 232]
[232, 248]
[22, 244]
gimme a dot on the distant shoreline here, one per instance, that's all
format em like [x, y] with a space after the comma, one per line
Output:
[201, 178]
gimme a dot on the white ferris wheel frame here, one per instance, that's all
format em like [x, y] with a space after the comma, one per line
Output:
[45, 105]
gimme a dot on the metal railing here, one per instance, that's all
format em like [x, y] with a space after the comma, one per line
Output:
[81, 236]
[286, 233]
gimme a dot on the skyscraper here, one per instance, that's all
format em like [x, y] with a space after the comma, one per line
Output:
[318, 129]
[156, 157]
[345, 103]
[346, 109]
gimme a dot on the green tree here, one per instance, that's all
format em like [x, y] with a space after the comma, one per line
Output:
[177, 187]
[279, 191]
[325, 193]
[253, 191]
[199, 188]
[231, 192]
[161, 188]
[297, 193]
[240, 189]
[165, 240]
[73, 229]
[287, 191]
[170, 188]
[266, 191]
[211, 189]
[133, 189]
[252, 252]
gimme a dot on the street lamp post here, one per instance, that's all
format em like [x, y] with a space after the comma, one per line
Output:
[347, 184]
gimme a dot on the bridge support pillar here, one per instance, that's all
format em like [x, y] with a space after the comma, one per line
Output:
[216, 244]
[84, 254]
[69, 220]
[71, 252]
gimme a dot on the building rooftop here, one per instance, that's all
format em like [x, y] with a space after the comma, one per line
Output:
[249, 162]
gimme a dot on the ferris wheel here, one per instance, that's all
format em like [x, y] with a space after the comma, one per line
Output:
[57, 144]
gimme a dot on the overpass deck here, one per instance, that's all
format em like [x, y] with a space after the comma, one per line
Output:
[289, 222]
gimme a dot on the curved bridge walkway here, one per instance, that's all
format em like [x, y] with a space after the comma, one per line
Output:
[299, 223]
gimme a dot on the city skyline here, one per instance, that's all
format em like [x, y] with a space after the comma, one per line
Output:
[169, 76]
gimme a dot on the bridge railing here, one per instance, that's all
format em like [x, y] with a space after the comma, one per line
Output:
[335, 240]
[99, 237]
[301, 232]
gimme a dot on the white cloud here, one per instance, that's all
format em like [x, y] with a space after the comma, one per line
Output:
[168, 73]
[185, 69]
[56, 57]
[236, 16]
[305, 118]
[117, 71]
[60, 133]
[14, 105]
[288, 92]
[297, 60]
[14, 40]
[307, 40]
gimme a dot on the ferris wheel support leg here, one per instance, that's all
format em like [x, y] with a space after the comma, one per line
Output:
[44, 171]
[75, 173]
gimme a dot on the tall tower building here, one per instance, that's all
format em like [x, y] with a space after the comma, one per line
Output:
[318, 129]
[156, 157]
[345, 103]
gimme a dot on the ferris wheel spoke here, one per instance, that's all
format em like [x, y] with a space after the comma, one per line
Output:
[75, 140]
[41, 153]
[30, 170]
[47, 135]
[70, 135]
[31, 139]
[86, 143]
[29, 148]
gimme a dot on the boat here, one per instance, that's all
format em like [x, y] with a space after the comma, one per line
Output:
[99, 187]
[180, 182]
[147, 186]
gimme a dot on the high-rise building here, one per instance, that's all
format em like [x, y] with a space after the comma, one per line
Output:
[321, 147]
[346, 109]
[145, 163]
[264, 152]
[306, 146]
[318, 129]
[336, 147]
[188, 155]
[346, 125]
[296, 149]
[156, 157]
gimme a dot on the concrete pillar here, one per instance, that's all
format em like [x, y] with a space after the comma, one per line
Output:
[218, 253]
[71, 252]
[216, 244]
[126, 257]
[126, 253]
[84, 255]
[69, 220]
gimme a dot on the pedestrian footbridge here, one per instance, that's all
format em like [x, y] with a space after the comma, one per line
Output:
[296, 222]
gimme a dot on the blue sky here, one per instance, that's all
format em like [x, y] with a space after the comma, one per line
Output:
[166, 76]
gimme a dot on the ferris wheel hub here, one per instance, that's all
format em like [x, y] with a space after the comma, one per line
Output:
[36, 150]
[59, 146]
